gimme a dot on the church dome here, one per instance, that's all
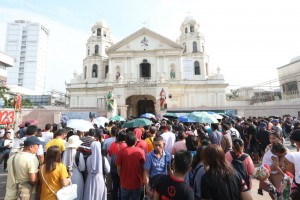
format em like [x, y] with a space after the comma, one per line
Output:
[189, 19]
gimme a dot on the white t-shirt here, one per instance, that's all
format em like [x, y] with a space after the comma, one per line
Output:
[267, 160]
[47, 136]
[169, 139]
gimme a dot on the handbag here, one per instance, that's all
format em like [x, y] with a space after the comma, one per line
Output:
[66, 193]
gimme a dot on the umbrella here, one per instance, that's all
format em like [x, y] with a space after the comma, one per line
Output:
[148, 116]
[31, 121]
[80, 124]
[171, 115]
[223, 115]
[100, 121]
[202, 117]
[185, 119]
[215, 115]
[117, 118]
[137, 123]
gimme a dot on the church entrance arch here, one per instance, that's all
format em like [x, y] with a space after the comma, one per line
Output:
[140, 104]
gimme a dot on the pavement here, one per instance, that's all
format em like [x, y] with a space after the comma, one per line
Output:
[254, 194]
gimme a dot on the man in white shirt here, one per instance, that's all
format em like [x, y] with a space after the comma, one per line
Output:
[47, 134]
[169, 138]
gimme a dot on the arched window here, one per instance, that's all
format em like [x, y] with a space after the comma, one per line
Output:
[95, 71]
[85, 70]
[96, 49]
[192, 28]
[106, 70]
[186, 30]
[194, 46]
[98, 31]
[197, 68]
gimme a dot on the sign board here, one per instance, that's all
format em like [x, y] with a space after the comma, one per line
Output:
[7, 116]
[187, 69]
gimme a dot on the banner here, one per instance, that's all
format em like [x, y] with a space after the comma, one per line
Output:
[7, 116]
[187, 69]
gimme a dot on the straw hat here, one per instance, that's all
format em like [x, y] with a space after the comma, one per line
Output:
[73, 142]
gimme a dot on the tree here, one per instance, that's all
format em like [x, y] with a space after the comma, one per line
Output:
[3, 91]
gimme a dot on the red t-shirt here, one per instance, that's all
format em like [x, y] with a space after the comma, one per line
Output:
[131, 160]
[116, 147]
[143, 145]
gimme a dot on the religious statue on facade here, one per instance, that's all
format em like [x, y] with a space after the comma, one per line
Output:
[120, 79]
[172, 73]
[110, 101]
[117, 75]
[17, 102]
[162, 100]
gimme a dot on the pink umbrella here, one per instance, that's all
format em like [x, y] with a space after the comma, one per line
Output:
[31, 121]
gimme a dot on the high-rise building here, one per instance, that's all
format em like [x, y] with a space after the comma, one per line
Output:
[27, 42]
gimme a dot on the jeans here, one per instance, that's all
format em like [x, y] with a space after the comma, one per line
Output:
[131, 194]
[4, 157]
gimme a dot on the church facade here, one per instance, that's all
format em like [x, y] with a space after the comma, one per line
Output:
[147, 73]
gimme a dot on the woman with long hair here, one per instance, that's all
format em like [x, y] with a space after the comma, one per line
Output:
[95, 185]
[53, 174]
[238, 153]
[221, 181]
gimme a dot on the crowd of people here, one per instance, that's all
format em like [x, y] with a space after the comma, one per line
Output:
[165, 160]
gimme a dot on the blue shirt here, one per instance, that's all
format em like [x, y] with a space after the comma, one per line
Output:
[157, 165]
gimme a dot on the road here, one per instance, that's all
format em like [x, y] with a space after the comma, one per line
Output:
[254, 194]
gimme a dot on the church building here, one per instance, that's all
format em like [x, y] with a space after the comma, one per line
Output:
[147, 73]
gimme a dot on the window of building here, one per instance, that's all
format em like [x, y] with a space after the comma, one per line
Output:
[194, 46]
[290, 87]
[85, 70]
[95, 71]
[96, 49]
[184, 48]
[106, 70]
[88, 51]
[98, 31]
[186, 30]
[197, 68]
[192, 28]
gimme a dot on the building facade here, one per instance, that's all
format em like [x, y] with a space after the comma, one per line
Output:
[289, 79]
[27, 42]
[147, 72]
[5, 61]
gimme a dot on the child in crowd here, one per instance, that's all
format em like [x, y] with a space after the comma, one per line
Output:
[271, 160]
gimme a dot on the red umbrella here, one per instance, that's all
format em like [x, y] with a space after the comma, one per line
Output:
[31, 121]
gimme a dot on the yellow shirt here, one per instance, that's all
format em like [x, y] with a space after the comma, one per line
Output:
[56, 142]
[149, 141]
[53, 179]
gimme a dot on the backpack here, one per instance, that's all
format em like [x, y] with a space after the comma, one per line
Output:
[239, 166]
[192, 176]
[113, 165]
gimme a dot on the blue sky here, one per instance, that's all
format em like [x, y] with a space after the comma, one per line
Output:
[247, 39]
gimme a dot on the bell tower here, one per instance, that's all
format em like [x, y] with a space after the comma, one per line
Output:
[96, 47]
[193, 44]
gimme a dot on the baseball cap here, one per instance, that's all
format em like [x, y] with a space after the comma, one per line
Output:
[275, 121]
[32, 140]
[263, 125]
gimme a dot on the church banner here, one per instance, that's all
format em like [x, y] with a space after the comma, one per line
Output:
[187, 69]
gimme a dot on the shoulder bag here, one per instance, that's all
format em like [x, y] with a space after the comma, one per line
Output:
[24, 190]
[66, 193]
